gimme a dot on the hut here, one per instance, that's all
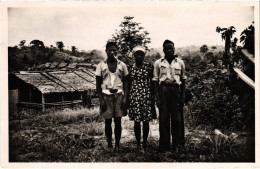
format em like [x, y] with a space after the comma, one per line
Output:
[53, 89]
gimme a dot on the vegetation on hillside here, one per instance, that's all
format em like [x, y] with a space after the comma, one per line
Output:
[25, 57]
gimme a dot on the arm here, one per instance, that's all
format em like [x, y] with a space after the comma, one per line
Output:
[183, 89]
[183, 86]
[156, 72]
[99, 92]
[125, 81]
[126, 86]
[99, 81]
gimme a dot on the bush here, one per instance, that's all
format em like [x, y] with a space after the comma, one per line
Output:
[215, 104]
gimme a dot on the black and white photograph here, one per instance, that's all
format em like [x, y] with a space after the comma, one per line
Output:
[135, 82]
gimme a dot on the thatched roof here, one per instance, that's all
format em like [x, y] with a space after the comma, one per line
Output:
[59, 81]
[65, 66]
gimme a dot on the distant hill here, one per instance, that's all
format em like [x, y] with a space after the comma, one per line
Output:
[27, 57]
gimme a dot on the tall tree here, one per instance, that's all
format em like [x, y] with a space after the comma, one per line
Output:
[226, 34]
[130, 35]
[60, 45]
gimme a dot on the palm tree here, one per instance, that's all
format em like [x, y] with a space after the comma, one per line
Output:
[226, 34]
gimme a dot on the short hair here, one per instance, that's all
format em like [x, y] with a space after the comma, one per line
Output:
[167, 42]
[111, 44]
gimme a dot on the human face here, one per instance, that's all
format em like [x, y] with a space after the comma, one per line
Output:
[139, 57]
[169, 50]
[111, 51]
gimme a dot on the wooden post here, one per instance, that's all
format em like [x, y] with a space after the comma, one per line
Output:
[62, 100]
[71, 100]
[81, 98]
[43, 103]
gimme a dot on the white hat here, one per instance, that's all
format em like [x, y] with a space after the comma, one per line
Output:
[138, 48]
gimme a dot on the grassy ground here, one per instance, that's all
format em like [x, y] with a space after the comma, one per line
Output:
[78, 136]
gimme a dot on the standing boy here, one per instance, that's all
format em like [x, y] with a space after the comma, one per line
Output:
[111, 85]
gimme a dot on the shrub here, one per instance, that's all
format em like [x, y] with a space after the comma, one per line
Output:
[215, 103]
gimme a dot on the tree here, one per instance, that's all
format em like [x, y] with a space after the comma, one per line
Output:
[60, 45]
[73, 49]
[22, 42]
[204, 49]
[247, 37]
[37, 44]
[130, 35]
[226, 34]
[96, 56]
[213, 47]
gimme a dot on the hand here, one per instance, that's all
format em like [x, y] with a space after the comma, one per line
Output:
[124, 102]
[182, 101]
[103, 105]
[158, 103]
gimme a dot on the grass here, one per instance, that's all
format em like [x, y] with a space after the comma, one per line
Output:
[78, 136]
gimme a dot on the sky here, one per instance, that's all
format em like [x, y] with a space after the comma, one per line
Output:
[89, 28]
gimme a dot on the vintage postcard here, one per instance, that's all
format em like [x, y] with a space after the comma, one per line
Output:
[132, 84]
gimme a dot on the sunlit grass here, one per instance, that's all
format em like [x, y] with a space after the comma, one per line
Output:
[72, 115]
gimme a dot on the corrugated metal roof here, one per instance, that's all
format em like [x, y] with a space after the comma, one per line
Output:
[59, 81]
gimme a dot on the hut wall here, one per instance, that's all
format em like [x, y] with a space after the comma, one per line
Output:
[13, 100]
[28, 93]
[76, 96]
[67, 96]
[12, 82]
[72, 96]
[36, 96]
[24, 92]
[53, 97]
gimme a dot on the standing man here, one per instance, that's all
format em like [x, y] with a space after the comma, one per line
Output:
[111, 84]
[169, 78]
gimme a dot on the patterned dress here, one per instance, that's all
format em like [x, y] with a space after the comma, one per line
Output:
[141, 102]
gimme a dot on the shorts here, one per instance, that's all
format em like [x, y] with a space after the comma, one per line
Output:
[113, 103]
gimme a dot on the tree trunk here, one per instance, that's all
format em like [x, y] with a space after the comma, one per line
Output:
[227, 44]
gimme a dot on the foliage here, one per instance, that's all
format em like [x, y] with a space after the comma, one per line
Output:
[131, 34]
[22, 42]
[248, 38]
[60, 45]
[37, 44]
[226, 34]
[73, 49]
[216, 102]
[204, 49]
[152, 56]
